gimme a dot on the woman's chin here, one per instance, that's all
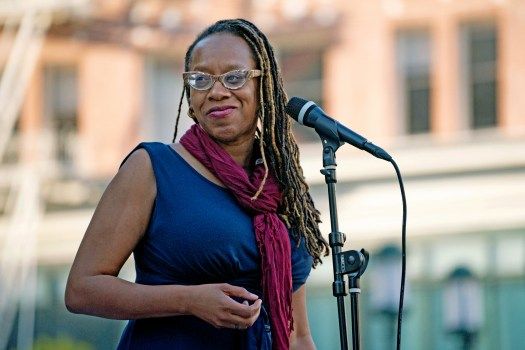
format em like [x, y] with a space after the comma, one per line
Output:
[229, 136]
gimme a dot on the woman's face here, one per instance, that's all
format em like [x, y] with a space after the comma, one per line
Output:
[228, 116]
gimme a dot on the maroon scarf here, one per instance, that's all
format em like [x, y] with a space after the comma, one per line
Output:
[270, 232]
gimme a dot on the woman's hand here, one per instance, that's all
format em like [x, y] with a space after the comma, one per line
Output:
[214, 304]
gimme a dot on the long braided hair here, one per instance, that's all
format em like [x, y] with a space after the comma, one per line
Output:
[278, 148]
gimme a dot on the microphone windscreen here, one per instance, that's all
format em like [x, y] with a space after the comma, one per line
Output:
[294, 106]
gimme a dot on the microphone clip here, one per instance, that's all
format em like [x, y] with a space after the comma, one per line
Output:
[329, 163]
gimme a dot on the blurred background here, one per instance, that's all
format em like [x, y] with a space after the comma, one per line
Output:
[440, 84]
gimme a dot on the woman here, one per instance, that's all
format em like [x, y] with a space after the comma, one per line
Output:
[221, 225]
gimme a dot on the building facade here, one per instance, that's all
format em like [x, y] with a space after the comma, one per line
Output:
[437, 83]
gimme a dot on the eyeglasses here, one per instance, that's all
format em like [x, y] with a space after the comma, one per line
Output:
[232, 80]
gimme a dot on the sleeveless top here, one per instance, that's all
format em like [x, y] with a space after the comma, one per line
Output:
[197, 234]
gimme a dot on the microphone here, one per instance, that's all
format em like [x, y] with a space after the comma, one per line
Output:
[309, 114]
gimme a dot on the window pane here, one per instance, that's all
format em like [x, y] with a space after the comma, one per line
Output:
[484, 104]
[61, 103]
[419, 107]
[413, 65]
[481, 59]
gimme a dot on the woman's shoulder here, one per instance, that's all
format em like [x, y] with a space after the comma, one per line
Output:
[137, 168]
[146, 154]
[151, 148]
[139, 158]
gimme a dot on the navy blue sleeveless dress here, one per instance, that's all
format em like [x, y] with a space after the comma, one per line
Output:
[198, 234]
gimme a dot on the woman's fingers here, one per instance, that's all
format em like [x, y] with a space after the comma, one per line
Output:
[241, 322]
[247, 311]
[238, 292]
[246, 320]
[241, 315]
[243, 309]
[255, 310]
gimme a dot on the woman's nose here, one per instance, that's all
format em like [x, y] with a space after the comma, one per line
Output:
[218, 91]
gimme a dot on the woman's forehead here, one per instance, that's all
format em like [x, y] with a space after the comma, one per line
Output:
[222, 49]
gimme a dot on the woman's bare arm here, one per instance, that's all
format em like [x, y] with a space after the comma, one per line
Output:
[300, 337]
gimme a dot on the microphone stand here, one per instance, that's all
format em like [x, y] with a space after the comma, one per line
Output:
[351, 263]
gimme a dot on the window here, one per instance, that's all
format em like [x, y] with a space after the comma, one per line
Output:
[163, 91]
[479, 51]
[413, 66]
[303, 76]
[61, 104]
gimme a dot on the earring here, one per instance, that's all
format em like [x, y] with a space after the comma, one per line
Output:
[191, 113]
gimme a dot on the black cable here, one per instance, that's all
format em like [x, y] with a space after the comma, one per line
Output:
[403, 254]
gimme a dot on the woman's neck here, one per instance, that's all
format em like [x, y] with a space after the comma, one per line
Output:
[241, 153]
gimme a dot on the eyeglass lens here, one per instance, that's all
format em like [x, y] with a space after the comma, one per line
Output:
[230, 80]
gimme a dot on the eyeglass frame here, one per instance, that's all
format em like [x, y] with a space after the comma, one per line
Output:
[251, 73]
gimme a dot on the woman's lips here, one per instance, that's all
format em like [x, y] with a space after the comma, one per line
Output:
[220, 112]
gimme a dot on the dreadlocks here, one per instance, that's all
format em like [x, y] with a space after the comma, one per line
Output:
[278, 148]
